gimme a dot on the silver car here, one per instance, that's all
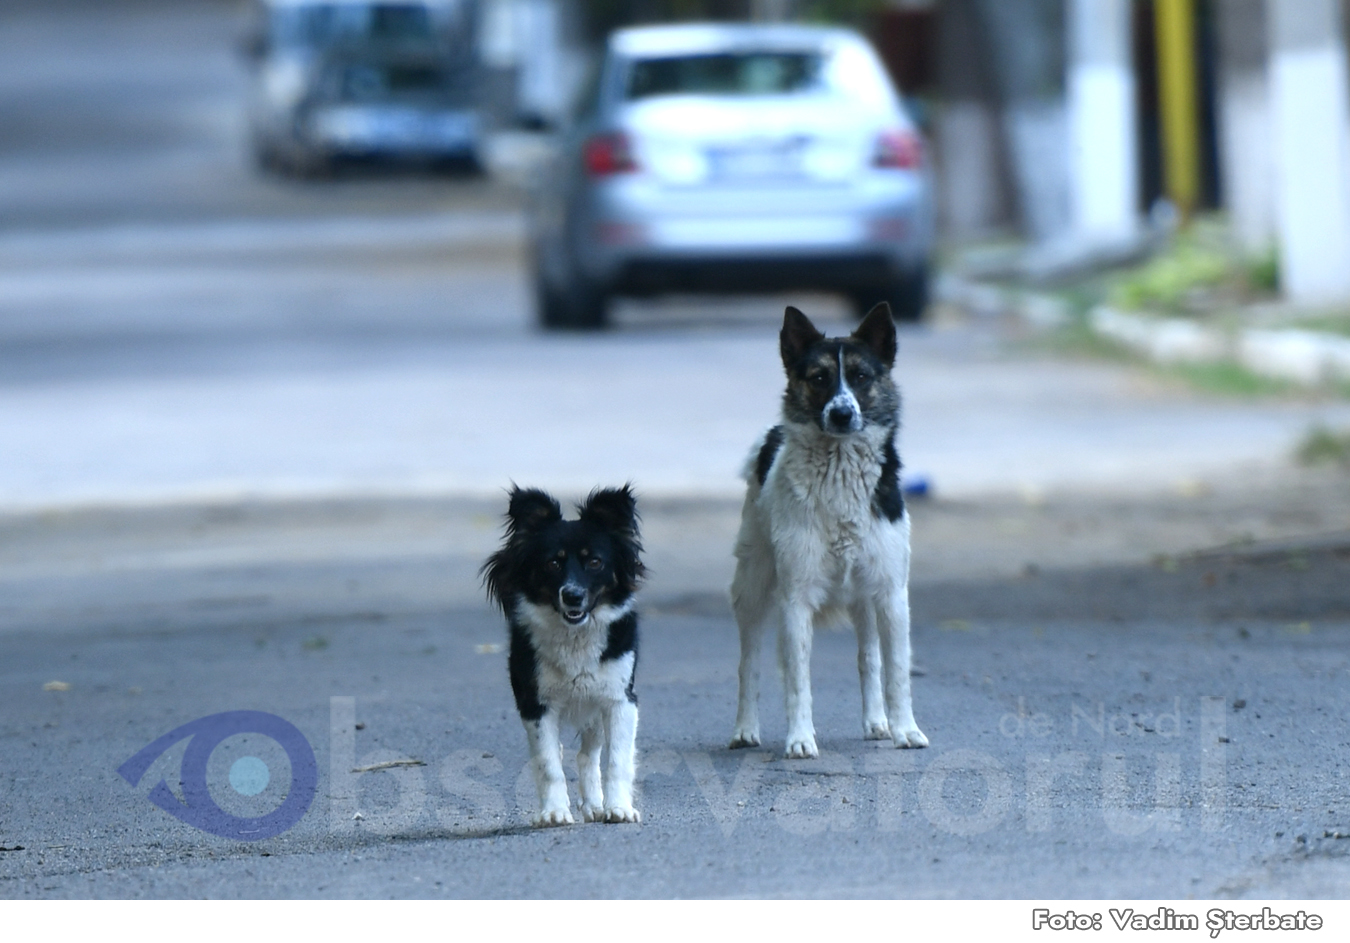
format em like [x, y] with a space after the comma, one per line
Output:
[337, 79]
[733, 158]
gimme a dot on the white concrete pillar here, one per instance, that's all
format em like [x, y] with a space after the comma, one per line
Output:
[1101, 98]
[972, 196]
[1246, 166]
[540, 89]
[1308, 88]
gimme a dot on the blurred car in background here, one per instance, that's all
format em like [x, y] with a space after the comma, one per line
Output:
[733, 158]
[335, 79]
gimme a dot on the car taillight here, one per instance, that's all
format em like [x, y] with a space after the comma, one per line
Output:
[898, 149]
[607, 154]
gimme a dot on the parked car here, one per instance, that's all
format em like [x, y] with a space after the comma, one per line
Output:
[733, 158]
[337, 79]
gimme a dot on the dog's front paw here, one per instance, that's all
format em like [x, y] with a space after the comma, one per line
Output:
[744, 737]
[876, 729]
[802, 748]
[910, 738]
[550, 818]
[592, 813]
[622, 813]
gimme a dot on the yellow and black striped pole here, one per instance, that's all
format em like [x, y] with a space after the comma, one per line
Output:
[1174, 30]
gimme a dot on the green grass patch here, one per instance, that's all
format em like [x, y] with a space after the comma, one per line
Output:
[1323, 446]
[1335, 323]
[1168, 281]
[1226, 378]
[1263, 271]
[1200, 272]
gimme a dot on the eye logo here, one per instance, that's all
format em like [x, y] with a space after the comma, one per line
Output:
[249, 775]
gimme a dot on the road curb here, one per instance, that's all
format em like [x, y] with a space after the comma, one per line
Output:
[1308, 358]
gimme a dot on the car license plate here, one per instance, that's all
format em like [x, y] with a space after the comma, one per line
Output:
[755, 163]
[411, 128]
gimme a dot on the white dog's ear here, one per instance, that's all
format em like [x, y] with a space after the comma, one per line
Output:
[797, 336]
[877, 333]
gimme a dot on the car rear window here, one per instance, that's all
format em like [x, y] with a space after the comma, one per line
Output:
[739, 73]
[322, 24]
[375, 82]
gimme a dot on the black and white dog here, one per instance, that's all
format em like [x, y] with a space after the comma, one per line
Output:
[824, 531]
[567, 588]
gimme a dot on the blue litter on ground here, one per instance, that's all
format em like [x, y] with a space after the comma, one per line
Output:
[917, 487]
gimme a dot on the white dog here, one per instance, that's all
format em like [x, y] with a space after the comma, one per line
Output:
[824, 531]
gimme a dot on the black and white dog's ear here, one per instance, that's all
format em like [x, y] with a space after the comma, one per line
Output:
[531, 510]
[877, 333]
[797, 336]
[614, 509]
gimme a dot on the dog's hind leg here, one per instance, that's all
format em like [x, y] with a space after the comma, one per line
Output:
[893, 628]
[588, 772]
[875, 725]
[546, 762]
[794, 657]
[748, 605]
[621, 734]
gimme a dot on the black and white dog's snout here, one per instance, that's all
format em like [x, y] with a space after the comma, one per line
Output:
[842, 414]
[572, 601]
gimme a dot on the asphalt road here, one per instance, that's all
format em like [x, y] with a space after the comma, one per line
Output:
[256, 434]
[1166, 729]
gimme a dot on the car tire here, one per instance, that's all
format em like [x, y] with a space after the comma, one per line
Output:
[907, 295]
[580, 307]
[312, 165]
[265, 157]
[459, 165]
[590, 306]
[550, 306]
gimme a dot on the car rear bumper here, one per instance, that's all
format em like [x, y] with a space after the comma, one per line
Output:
[638, 238]
[777, 272]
